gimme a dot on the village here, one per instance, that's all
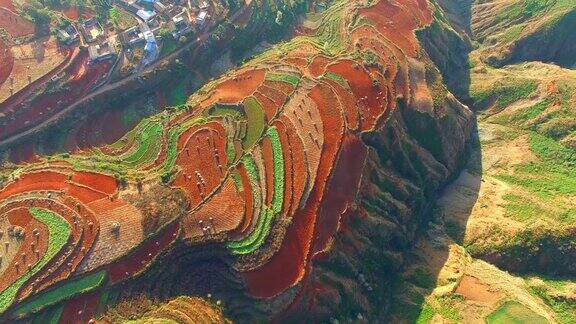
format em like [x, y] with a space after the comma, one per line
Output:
[156, 24]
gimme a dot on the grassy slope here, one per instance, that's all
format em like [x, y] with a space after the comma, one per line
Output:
[520, 180]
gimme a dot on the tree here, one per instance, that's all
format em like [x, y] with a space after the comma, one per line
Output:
[39, 14]
[165, 33]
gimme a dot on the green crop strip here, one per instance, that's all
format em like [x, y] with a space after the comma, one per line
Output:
[338, 79]
[59, 232]
[514, 312]
[283, 77]
[149, 146]
[278, 197]
[66, 291]
[256, 123]
[267, 214]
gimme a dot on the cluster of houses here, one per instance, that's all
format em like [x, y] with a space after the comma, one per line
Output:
[179, 17]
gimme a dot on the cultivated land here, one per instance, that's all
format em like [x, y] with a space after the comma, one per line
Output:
[246, 161]
[301, 184]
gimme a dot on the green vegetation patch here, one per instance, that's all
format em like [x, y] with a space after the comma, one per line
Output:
[64, 292]
[149, 144]
[58, 234]
[338, 79]
[49, 316]
[521, 208]
[278, 197]
[283, 77]
[267, 214]
[513, 312]
[256, 122]
[506, 94]
[177, 94]
[564, 308]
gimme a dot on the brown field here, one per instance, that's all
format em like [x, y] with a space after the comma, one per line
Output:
[240, 231]
[6, 62]
[235, 90]
[223, 213]
[15, 25]
[8, 4]
[42, 56]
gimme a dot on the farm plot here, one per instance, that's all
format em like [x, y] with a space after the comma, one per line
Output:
[234, 90]
[32, 61]
[7, 62]
[202, 162]
[15, 25]
[371, 98]
[8, 4]
[59, 231]
[223, 213]
[287, 266]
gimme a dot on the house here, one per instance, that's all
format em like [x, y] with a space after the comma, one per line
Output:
[91, 30]
[180, 25]
[133, 36]
[204, 5]
[145, 14]
[201, 19]
[101, 52]
[68, 35]
[159, 7]
[153, 24]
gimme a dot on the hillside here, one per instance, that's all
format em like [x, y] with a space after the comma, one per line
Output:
[274, 188]
[334, 175]
[500, 247]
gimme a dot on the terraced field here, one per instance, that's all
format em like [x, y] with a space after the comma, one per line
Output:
[256, 161]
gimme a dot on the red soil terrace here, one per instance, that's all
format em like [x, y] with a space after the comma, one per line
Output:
[8, 4]
[14, 24]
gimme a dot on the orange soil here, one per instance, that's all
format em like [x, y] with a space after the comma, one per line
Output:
[226, 209]
[44, 180]
[274, 94]
[71, 13]
[84, 194]
[297, 61]
[103, 183]
[398, 24]
[270, 108]
[298, 163]
[288, 265]
[371, 102]
[248, 204]
[135, 262]
[8, 4]
[473, 290]
[14, 24]
[285, 87]
[348, 101]
[341, 189]
[235, 90]
[110, 246]
[318, 65]
[202, 161]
